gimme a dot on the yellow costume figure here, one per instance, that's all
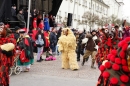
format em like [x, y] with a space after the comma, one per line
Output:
[67, 46]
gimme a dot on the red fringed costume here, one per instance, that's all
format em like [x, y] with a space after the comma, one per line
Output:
[109, 41]
[116, 70]
[6, 57]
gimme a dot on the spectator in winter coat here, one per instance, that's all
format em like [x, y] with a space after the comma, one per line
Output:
[20, 17]
[53, 40]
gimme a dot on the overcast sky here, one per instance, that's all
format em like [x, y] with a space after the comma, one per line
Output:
[126, 11]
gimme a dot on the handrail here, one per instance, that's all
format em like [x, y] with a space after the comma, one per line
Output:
[18, 21]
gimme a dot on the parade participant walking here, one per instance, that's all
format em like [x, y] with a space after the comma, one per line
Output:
[7, 54]
[67, 46]
[80, 48]
[39, 43]
[25, 45]
[91, 48]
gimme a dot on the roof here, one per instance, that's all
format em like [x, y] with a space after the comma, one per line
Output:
[102, 2]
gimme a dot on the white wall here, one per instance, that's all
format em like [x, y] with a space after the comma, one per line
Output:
[67, 7]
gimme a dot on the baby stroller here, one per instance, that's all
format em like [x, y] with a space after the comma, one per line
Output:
[15, 68]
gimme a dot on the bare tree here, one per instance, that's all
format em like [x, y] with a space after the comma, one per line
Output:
[90, 18]
[113, 19]
[119, 22]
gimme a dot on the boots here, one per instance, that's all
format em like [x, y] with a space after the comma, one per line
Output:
[83, 62]
[41, 59]
[92, 65]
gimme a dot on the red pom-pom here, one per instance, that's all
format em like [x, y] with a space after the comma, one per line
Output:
[124, 47]
[120, 44]
[122, 85]
[124, 62]
[122, 54]
[127, 39]
[112, 58]
[108, 65]
[118, 61]
[124, 78]
[115, 67]
[114, 52]
[109, 56]
[114, 81]
[125, 68]
[106, 74]
[102, 68]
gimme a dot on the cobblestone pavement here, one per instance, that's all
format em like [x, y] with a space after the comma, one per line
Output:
[53, 69]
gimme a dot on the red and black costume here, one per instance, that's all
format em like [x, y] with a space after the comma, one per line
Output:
[116, 70]
[6, 57]
[109, 41]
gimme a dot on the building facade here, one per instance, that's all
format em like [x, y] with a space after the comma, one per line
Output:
[89, 14]
[84, 12]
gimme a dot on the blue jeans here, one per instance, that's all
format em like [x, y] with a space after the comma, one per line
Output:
[53, 48]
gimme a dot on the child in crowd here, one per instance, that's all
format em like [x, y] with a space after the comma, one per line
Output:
[49, 55]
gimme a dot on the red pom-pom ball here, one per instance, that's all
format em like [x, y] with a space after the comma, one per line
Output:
[122, 85]
[112, 58]
[109, 56]
[127, 39]
[114, 81]
[108, 65]
[124, 47]
[122, 54]
[114, 52]
[125, 68]
[102, 68]
[106, 74]
[124, 62]
[118, 61]
[115, 67]
[124, 78]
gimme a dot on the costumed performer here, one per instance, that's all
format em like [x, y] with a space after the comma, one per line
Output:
[25, 45]
[115, 71]
[67, 46]
[7, 54]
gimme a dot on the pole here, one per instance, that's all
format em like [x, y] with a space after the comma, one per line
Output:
[73, 15]
[29, 5]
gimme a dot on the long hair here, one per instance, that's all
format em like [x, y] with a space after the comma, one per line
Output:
[39, 33]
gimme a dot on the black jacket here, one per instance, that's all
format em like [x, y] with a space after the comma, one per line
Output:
[53, 38]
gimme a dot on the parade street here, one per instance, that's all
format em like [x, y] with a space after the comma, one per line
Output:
[49, 73]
